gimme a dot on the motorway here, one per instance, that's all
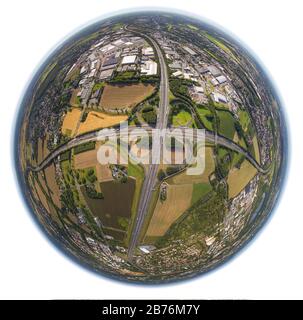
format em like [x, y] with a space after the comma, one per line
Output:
[98, 135]
[151, 173]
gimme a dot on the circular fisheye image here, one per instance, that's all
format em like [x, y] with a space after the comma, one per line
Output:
[150, 147]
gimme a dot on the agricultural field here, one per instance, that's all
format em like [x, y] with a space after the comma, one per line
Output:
[227, 124]
[103, 172]
[239, 178]
[137, 172]
[183, 178]
[41, 195]
[50, 176]
[109, 210]
[98, 120]
[244, 120]
[42, 150]
[199, 191]
[86, 159]
[166, 212]
[70, 122]
[95, 120]
[124, 96]
[256, 148]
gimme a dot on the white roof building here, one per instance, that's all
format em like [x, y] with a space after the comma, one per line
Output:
[83, 69]
[92, 73]
[149, 68]
[221, 79]
[149, 51]
[199, 89]
[128, 43]
[214, 70]
[108, 48]
[98, 44]
[189, 50]
[129, 59]
[218, 97]
[177, 73]
[214, 81]
[118, 43]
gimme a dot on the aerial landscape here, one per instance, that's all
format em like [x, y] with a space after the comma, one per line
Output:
[141, 221]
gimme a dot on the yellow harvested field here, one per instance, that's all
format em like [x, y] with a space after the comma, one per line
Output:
[40, 150]
[104, 173]
[178, 200]
[50, 175]
[124, 96]
[183, 178]
[70, 121]
[256, 148]
[239, 178]
[95, 120]
[86, 159]
[98, 120]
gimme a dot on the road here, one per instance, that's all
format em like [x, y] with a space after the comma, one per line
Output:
[151, 173]
[95, 136]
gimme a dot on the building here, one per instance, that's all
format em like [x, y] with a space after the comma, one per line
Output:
[106, 74]
[108, 49]
[109, 63]
[221, 79]
[198, 89]
[176, 65]
[177, 74]
[214, 81]
[189, 50]
[149, 68]
[92, 73]
[218, 97]
[83, 69]
[214, 71]
[129, 59]
[149, 51]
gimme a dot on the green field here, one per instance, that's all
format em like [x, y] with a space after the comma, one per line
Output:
[205, 116]
[227, 124]
[220, 44]
[85, 147]
[199, 191]
[182, 118]
[244, 120]
[137, 172]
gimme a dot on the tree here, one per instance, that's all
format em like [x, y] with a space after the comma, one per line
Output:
[161, 174]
